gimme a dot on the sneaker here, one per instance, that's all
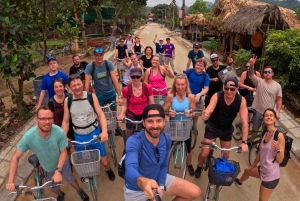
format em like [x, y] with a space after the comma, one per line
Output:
[111, 174]
[198, 172]
[118, 131]
[237, 182]
[191, 170]
[84, 196]
[61, 197]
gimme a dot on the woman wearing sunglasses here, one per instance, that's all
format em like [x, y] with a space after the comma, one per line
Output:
[246, 85]
[180, 99]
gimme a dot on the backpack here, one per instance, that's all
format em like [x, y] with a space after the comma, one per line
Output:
[51, 100]
[204, 74]
[126, 41]
[121, 165]
[94, 66]
[287, 148]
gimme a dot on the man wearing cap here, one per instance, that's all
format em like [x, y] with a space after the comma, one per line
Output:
[169, 51]
[215, 84]
[147, 162]
[53, 74]
[219, 114]
[194, 54]
[159, 46]
[128, 42]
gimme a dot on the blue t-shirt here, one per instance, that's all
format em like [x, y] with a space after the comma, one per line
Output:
[47, 82]
[103, 82]
[196, 81]
[194, 56]
[153, 164]
[46, 150]
[159, 48]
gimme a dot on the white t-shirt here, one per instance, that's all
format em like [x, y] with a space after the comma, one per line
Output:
[128, 43]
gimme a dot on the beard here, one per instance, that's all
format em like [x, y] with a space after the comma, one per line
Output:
[153, 132]
[45, 129]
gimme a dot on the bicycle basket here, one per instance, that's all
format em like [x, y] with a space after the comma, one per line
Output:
[120, 65]
[46, 199]
[160, 99]
[87, 162]
[282, 129]
[226, 73]
[111, 118]
[179, 130]
[199, 107]
[221, 177]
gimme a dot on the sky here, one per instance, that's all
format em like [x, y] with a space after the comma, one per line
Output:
[178, 2]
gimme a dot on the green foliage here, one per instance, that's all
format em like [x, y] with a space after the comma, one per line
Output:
[199, 7]
[291, 4]
[211, 44]
[159, 11]
[298, 13]
[282, 51]
[242, 57]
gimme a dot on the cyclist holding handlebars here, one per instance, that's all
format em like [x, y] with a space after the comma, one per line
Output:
[147, 162]
[220, 113]
[49, 143]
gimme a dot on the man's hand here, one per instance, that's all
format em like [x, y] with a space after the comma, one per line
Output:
[244, 147]
[10, 186]
[206, 115]
[155, 35]
[103, 136]
[148, 190]
[252, 60]
[57, 178]
[230, 60]
[216, 79]
[197, 97]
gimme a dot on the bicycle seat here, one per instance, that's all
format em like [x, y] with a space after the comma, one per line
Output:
[34, 161]
[251, 110]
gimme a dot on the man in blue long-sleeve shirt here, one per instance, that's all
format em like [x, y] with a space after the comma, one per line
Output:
[147, 162]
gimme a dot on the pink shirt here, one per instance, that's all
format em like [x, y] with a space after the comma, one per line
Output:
[137, 104]
[157, 82]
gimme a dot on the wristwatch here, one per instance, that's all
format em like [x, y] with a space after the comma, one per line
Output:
[245, 141]
[162, 187]
[120, 96]
[59, 169]
[278, 151]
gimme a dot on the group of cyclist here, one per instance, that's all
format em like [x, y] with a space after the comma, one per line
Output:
[80, 115]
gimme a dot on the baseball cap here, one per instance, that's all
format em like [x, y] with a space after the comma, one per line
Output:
[136, 72]
[214, 56]
[232, 79]
[51, 58]
[98, 50]
[161, 39]
[156, 107]
[196, 45]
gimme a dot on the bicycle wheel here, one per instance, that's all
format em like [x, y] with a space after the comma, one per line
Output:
[112, 146]
[38, 182]
[177, 160]
[212, 193]
[93, 190]
[254, 148]
[194, 134]
[237, 134]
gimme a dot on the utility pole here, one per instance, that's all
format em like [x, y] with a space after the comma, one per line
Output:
[183, 14]
[174, 4]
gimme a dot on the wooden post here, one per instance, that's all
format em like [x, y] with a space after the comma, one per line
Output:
[232, 36]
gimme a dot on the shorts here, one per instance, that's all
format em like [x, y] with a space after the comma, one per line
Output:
[211, 132]
[93, 145]
[66, 173]
[107, 98]
[257, 120]
[130, 195]
[269, 184]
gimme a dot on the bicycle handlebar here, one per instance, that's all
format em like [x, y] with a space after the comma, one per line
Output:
[18, 187]
[131, 121]
[95, 137]
[160, 90]
[157, 197]
[108, 105]
[213, 145]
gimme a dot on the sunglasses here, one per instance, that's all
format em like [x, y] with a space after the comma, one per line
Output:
[99, 50]
[135, 77]
[157, 156]
[121, 41]
[247, 66]
[196, 47]
[228, 88]
[268, 72]
[215, 60]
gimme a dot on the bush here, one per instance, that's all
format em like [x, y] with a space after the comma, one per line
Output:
[211, 44]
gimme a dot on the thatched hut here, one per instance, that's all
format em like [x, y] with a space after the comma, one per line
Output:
[195, 26]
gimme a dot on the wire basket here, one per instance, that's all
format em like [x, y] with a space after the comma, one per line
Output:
[120, 65]
[226, 73]
[46, 199]
[160, 99]
[179, 130]
[87, 162]
[111, 118]
[281, 129]
[199, 107]
[222, 178]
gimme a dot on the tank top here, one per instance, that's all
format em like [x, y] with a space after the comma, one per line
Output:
[157, 81]
[137, 48]
[248, 81]
[84, 118]
[223, 114]
[127, 75]
[180, 107]
[146, 62]
[269, 171]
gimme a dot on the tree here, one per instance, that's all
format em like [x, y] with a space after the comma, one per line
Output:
[159, 11]
[199, 7]
[298, 13]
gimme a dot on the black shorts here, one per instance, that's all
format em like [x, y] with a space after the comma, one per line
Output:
[211, 132]
[257, 120]
[269, 184]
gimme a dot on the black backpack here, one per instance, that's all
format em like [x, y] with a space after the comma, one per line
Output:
[287, 148]
[94, 66]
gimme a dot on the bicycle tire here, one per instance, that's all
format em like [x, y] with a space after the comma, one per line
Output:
[112, 148]
[93, 190]
[177, 165]
[194, 134]
[210, 192]
[253, 151]
[39, 182]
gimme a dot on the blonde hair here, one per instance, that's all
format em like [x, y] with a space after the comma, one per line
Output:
[180, 76]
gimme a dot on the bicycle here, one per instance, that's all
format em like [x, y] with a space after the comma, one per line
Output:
[35, 188]
[122, 68]
[135, 126]
[113, 42]
[139, 55]
[179, 131]
[87, 165]
[66, 49]
[111, 117]
[218, 178]
[198, 112]
[160, 99]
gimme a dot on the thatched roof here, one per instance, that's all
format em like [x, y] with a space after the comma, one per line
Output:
[194, 19]
[249, 17]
